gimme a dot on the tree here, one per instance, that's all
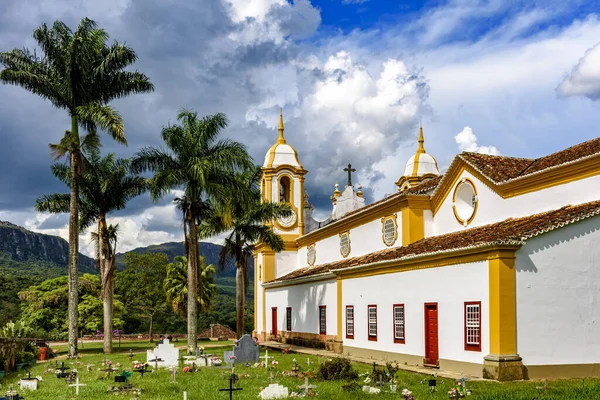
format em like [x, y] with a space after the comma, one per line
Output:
[106, 185]
[140, 284]
[247, 219]
[81, 74]
[176, 286]
[45, 305]
[203, 167]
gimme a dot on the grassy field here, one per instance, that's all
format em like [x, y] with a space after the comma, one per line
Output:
[205, 385]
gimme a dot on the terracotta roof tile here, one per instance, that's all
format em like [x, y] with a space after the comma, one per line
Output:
[510, 231]
[570, 154]
[497, 168]
[501, 169]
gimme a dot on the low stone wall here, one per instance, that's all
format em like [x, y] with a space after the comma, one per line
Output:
[312, 340]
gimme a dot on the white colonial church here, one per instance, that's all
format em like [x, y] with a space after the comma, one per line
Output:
[492, 269]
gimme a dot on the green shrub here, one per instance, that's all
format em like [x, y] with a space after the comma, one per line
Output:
[337, 369]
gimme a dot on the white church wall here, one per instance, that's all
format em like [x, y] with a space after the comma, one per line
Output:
[493, 208]
[558, 296]
[449, 286]
[285, 262]
[364, 239]
[304, 301]
[428, 225]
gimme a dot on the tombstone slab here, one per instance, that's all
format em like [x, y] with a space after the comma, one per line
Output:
[245, 350]
[274, 391]
[28, 384]
[166, 352]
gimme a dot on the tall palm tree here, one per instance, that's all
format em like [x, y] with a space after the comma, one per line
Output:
[106, 185]
[80, 73]
[176, 286]
[203, 167]
[248, 221]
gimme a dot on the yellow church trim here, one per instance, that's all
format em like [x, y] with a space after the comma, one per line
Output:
[368, 215]
[268, 258]
[462, 256]
[281, 140]
[392, 217]
[472, 217]
[582, 169]
[413, 227]
[503, 303]
[339, 307]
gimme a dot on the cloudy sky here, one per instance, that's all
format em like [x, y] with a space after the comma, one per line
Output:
[354, 77]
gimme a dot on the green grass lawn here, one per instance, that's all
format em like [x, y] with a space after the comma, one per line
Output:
[205, 384]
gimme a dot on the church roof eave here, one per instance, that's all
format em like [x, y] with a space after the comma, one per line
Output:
[512, 233]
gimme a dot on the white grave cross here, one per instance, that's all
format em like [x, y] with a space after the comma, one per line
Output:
[77, 385]
[266, 357]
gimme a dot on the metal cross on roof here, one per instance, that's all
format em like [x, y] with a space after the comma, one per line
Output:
[350, 170]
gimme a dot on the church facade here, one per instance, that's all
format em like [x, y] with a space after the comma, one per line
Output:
[491, 269]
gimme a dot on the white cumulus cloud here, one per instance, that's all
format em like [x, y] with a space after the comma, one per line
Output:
[584, 79]
[467, 141]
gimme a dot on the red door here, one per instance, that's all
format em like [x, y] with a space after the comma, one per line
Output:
[431, 333]
[274, 321]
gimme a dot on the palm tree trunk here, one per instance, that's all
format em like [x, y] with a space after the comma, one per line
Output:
[108, 292]
[150, 330]
[239, 289]
[192, 284]
[74, 243]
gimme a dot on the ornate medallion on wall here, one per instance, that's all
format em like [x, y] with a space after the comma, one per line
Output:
[465, 201]
[389, 230]
[311, 255]
[345, 244]
[289, 221]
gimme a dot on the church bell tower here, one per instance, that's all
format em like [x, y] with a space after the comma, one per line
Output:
[282, 181]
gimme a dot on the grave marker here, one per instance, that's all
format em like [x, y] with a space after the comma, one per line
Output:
[164, 355]
[266, 357]
[77, 385]
[232, 379]
[306, 387]
[245, 350]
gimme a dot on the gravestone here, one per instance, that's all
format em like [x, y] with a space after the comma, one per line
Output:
[28, 383]
[274, 391]
[165, 355]
[245, 350]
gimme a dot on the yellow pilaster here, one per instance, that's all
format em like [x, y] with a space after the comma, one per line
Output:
[339, 307]
[268, 266]
[256, 289]
[413, 228]
[503, 303]
[503, 363]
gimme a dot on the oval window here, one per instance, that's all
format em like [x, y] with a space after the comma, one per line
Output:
[465, 202]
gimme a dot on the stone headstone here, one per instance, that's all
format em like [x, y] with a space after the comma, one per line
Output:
[274, 391]
[28, 384]
[166, 354]
[245, 350]
[371, 390]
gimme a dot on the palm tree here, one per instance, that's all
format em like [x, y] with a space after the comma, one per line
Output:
[106, 185]
[79, 73]
[176, 286]
[203, 166]
[248, 221]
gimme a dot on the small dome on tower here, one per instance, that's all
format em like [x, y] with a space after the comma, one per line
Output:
[281, 153]
[419, 167]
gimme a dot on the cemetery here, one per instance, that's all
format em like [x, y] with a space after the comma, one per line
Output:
[249, 371]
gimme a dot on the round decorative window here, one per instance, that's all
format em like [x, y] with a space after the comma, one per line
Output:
[389, 230]
[465, 201]
[345, 244]
[311, 255]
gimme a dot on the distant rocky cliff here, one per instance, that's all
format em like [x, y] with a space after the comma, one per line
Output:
[20, 244]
